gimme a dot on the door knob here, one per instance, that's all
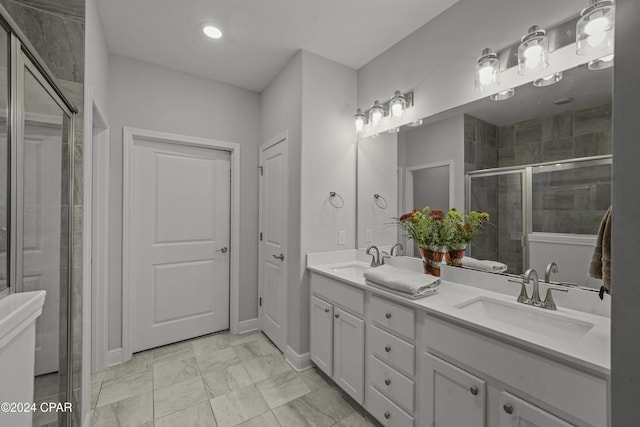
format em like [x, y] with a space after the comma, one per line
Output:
[223, 249]
[280, 257]
[474, 390]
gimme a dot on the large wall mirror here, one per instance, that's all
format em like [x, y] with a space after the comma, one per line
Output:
[539, 163]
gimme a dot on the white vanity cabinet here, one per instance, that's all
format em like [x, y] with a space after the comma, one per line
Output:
[391, 363]
[514, 386]
[337, 333]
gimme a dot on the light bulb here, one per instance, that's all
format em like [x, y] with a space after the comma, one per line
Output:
[212, 31]
[532, 56]
[397, 110]
[596, 40]
[596, 26]
[485, 75]
[359, 124]
[376, 117]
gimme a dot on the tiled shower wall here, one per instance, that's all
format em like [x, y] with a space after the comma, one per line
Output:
[56, 31]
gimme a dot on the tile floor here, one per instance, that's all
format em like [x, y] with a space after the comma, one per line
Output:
[219, 380]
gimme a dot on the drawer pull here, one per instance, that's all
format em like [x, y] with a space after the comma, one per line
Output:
[387, 348]
[387, 415]
[336, 315]
[474, 390]
[387, 381]
[508, 409]
[388, 315]
[326, 310]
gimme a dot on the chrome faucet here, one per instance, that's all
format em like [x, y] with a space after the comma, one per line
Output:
[375, 259]
[552, 267]
[396, 246]
[530, 275]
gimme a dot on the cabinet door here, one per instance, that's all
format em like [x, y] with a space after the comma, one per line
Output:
[349, 353]
[515, 412]
[322, 335]
[454, 398]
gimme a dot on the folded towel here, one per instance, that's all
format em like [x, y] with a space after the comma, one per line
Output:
[405, 281]
[425, 294]
[484, 265]
[600, 266]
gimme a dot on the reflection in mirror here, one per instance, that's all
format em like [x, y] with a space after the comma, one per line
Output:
[539, 163]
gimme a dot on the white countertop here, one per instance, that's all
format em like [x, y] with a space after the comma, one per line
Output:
[590, 352]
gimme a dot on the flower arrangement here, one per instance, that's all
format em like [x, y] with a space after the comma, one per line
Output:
[423, 227]
[458, 230]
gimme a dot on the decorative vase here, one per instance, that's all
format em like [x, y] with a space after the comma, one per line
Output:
[431, 259]
[455, 254]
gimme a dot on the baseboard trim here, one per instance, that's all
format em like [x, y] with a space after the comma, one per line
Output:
[246, 326]
[299, 362]
[114, 357]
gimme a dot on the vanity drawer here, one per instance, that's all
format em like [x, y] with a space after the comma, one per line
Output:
[395, 317]
[341, 294]
[387, 412]
[392, 383]
[393, 350]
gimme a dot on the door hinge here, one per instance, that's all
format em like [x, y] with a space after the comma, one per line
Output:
[261, 170]
[261, 236]
[260, 301]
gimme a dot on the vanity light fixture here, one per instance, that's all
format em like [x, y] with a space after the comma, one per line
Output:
[398, 105]
[359, 120]
[501, 96]
[487, 70]
[393, 130]
[533, 52]
[595, 28]
[211, 31]
[376, 113]
[601, 63]
[548, 80]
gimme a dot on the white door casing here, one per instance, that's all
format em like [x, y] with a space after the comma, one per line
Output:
[272, 269]
[175, 234]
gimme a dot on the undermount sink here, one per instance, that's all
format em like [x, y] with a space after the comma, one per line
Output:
[532, 319]
[351, 270]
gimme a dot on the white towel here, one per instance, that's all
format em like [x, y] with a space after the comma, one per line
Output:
[488, 266]
[405, 281]
[425, 294]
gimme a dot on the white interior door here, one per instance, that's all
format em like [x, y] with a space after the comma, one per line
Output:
[273, 244]
[180, 242]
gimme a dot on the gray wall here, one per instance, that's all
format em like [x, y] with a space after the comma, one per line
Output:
[146, 96]
[63, 22]
[625, 317]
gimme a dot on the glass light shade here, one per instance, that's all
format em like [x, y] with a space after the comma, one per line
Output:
[359, 120]
[533, 52]
[376, 113]
[211, 31]
[601, 63]
[548, 80]
[501, 96]
[595, 28]
[398, 105]
[487, 70]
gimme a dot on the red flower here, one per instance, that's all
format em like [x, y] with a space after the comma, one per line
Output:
[437, 215]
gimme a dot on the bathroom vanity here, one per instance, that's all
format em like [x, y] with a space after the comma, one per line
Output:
[469, 355]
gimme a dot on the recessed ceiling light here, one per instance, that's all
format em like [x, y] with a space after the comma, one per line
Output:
[212, 31]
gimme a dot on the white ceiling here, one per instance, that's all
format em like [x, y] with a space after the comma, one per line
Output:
[260, 36]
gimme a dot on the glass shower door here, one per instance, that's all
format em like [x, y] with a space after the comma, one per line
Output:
[501, 195]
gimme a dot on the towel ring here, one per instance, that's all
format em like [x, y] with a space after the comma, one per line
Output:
[333, 195]
[380, 201]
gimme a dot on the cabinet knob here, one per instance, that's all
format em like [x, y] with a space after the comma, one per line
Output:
[387, 348]
[388, 315]
[387, 415]
[474, 390]
[336, 315]
[508, 409]
[326, 310]
[387, 381]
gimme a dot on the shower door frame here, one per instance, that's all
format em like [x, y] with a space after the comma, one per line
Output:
[22, 60]
[527, 172]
